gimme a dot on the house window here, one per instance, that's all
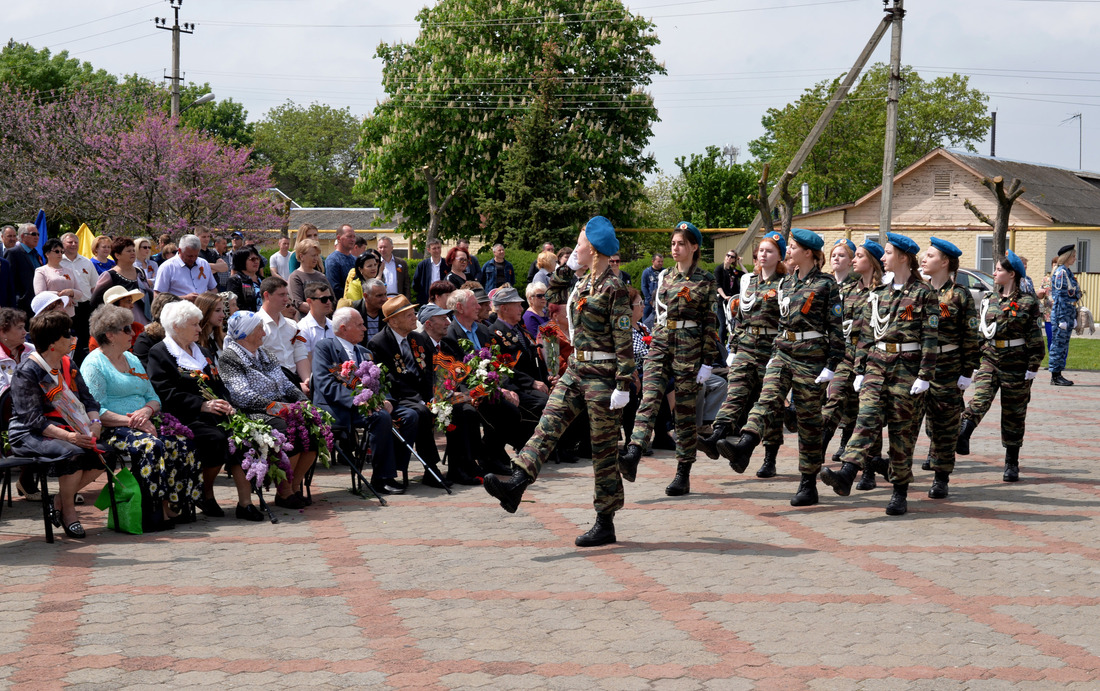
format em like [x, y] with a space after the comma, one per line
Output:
[1082, 257]
[941, 184]
[871, 237]
[985, 254]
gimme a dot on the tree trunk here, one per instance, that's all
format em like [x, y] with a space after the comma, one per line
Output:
[1005, 199]
[435, 207]
[786, 212]
[760, 200]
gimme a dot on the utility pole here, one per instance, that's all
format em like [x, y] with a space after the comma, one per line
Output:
[889, 154]
[176, 29]
[993, 136]
[1080, 130]
[822, 122]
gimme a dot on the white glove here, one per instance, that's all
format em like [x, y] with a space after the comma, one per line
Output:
[1029, 375]
[858, 383]
[704, 374]
[919, 387]
[573, 262]
[1063, 326]
[965, 382]
[619, 399]
[826, 375]
[730, 359]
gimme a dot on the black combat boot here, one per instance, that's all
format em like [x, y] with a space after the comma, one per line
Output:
[898, 505]
[739, 452]
[790, 418]
[1012, 464]
[708, 444]
[845, 436]
[1056, 379]
[602, 532]
[629, 458]
[939, 485]
[841, 480]
[508, 491]
[962, 446]
[879, 465]
[807, 491]
[768, 468]
[681, 484]
[927, 465]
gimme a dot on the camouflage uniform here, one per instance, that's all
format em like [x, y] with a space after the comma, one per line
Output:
[958, 356]
[809, 339]
[1064, 293]
[676, 352]
[909, 315]
[751, 341]
[842, 404]
[1006, 321]
[599, 312]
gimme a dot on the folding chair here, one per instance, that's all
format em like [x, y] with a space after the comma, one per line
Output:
[7, 463]
[356, 458]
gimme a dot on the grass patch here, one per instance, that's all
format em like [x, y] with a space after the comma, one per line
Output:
[1084, 354]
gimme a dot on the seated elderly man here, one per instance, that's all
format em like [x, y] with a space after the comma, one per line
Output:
[186, 275]
[530, 379]
[330, 394]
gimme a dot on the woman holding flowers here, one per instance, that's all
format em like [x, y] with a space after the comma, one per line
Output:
[165, 464]
[182, 375]
[258, 386]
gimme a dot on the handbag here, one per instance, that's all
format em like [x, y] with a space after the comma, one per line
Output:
[123, 488]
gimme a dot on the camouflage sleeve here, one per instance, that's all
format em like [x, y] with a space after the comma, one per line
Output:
[736, 325]
[929, 336]
[866, 338]
[971, 355]
[710, 324]
[558, 291]
[834, 326]
[1035, 348]
[622, 333]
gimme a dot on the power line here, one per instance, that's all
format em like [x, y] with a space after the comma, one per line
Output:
[93, 21]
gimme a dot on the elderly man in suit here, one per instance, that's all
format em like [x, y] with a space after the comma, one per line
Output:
[394, 270]
[24, 258]
[330, 394]
[529, 376]
[408, 356]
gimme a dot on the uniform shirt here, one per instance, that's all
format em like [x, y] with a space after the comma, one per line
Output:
[314, 332]
[958, 326]
[1007, 318]
[280, 265]
[854, 297]
[178, 279]
[810, 304]
[756, 309]
[1064, 295]
[284, 340]
[909, 314]
[687, 298]
[84, 272]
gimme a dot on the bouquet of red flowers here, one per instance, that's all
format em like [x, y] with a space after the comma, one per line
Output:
[487, 367]
[368, 383]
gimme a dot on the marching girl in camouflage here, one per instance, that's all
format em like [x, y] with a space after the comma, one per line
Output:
[597, 378]
[756, 311]
[685, 342]
[842, 407]
[895, 364]
[1010, 327]
[957, 360]
[805, 355]
[1064, 293]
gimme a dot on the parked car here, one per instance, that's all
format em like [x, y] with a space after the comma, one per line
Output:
[977, 282]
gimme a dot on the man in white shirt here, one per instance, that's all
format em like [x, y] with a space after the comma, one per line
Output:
[431, 269]
[316, 326]
[280, 261]
[186, 275]
[283, 338]
[394, 271]
[85, 275]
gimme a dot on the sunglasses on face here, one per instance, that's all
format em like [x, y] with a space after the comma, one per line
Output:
[540, 296]
[614, 261]
[127, 329]
[323, 298]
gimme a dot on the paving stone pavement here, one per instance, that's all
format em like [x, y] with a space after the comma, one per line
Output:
[997, 587]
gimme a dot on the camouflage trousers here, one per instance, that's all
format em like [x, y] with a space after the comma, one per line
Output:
[1059, 343]
[784, 374]
[583, 386]
[745, 380]
[943, 407]
[842, 404]
[1015, 396]
[661, 366]
[884, 400]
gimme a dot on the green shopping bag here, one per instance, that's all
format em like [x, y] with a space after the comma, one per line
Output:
[127, 499]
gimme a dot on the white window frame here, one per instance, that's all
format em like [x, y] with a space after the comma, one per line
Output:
[978, 258]
[1082, 265]
[873, 237]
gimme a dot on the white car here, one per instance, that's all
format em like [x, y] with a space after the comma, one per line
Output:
[977, 282]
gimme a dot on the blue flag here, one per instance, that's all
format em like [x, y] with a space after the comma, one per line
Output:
[40, 221]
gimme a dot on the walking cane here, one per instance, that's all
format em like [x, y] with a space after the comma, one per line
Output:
[357, 473]
[427, 468]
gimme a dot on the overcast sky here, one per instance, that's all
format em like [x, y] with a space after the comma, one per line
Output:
[727, 60]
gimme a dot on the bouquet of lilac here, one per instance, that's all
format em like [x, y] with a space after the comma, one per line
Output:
[264, 448]
[169, 426]
[368, 382]
[304, 421]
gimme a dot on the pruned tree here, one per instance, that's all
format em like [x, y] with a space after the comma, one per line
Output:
[760, 199]
[786, 210]
[437, 208]
[1005, 198]
[786, 206]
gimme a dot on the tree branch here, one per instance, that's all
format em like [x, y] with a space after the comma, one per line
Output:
[786, 212]
[760, 200]
[981, 217]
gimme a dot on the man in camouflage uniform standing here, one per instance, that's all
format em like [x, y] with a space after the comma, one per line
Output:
[805, 356]
[895, 364]
[956, 361]
[597, 378]
[685, 343]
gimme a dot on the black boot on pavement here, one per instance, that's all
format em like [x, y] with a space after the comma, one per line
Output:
[629, 458]
[807, 491]
[867, 479]
[739, 452]
[708, 444]
[508, 491]
[939, 485]
[681, 484]
[1012, 464]
[767, 469]
[602, 532]
[962, 446]
[1056, 379]
[841, 480]
[927, 465]
[898, 505]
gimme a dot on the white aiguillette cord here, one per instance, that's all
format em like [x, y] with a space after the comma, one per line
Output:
[987, 330]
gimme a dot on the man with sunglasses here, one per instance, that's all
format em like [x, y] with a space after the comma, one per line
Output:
[615, 262]
[316, 326]
[727, 276]
[24, 258]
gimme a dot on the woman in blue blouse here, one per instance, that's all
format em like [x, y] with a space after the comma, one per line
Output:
[115, 377]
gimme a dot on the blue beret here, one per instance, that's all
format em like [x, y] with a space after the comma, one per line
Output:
[946, 247]
[874, 249]
[690, 227]
[807, 238]
[851, 245]
[777, 238]
[601, 235]
[903, 243]
[1017, 265]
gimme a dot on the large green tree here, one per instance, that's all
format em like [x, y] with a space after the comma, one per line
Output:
[22, 68]
[434, 147]
[313, 153]
[846, 163]
[712, 193]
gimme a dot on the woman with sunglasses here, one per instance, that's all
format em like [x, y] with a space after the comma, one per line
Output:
[535, 315]
[57, 278]
[245, 281]
[458, 260]
[145, 259]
